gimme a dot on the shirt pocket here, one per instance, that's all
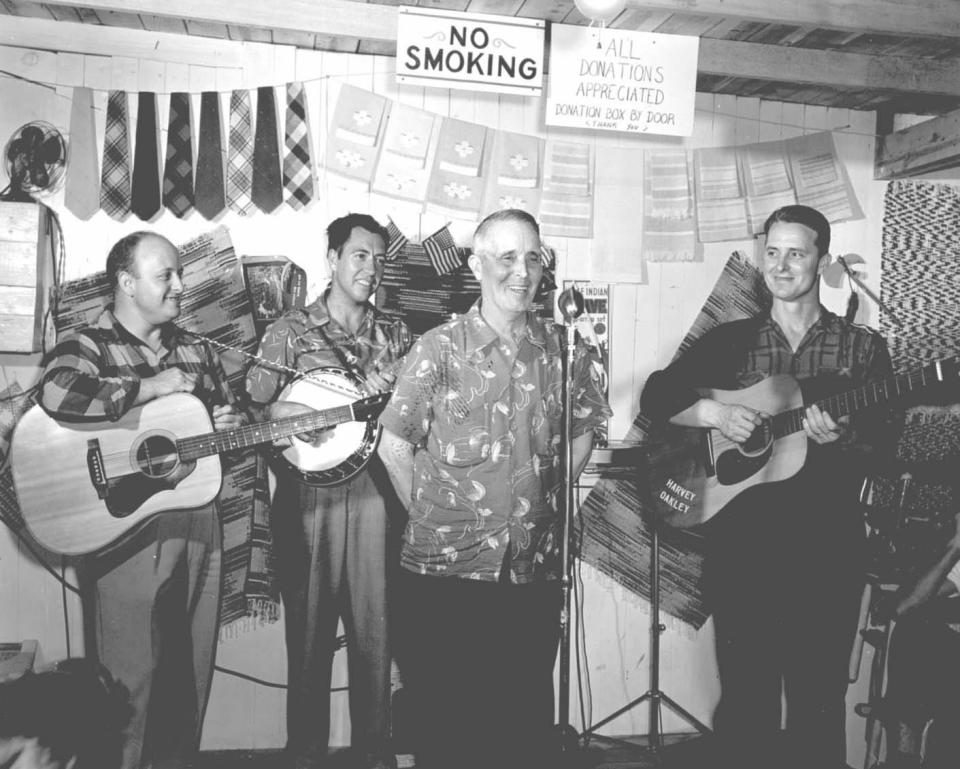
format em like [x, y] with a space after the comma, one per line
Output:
[465, 438]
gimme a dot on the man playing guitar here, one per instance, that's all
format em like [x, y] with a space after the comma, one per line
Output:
[784, 571]
[151, 601]
[332, 541]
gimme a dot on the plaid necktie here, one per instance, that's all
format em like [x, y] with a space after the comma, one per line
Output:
[81, 192]
[267, 191]
[178, 171]
[145, 198]
[210, 201]
[115, 169]
[240, 156]
[297, 174]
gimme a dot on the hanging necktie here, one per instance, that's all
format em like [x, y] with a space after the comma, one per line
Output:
[178, 171]
[297, 174]
[267, 193]
[240, 155]
[115, 169]
[145, 199]
[210, 200]
[81, 191]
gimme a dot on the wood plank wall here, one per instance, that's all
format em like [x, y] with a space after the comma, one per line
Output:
[648, 322]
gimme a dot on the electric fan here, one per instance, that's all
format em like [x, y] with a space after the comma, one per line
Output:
[34, 159]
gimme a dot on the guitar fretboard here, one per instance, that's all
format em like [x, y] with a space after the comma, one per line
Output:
[869, 395]
[197, 446]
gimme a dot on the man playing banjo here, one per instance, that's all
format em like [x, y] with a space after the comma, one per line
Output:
[331, 541]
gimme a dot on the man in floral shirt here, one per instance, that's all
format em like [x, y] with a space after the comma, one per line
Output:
[332, 541]
[472, 443]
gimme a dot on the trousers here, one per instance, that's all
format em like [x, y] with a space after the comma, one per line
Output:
[331, 564]
[151, 609]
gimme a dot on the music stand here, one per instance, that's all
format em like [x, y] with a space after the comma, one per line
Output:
[654, 695]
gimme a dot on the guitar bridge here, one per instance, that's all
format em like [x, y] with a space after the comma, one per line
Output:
[98, 473]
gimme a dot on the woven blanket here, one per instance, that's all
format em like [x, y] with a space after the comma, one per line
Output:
[616, 535]
[218, 306]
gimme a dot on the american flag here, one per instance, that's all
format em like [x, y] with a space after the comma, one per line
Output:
[397, 240]
[443, 252]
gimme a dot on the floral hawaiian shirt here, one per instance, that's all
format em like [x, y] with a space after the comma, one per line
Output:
[486, 417]
[302, 339]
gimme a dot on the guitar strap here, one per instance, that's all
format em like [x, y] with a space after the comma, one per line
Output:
[344, 361]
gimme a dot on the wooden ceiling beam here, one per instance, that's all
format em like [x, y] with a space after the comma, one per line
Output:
[933, 145]
[378, 27]
[933, 18]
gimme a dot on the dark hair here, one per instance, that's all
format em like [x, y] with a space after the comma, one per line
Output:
[809, 217]
[339, 230]
[120, 258]
[505, 215]
[75, 710]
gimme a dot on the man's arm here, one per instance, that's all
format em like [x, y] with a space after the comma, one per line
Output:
[933, 582]
[397, 457]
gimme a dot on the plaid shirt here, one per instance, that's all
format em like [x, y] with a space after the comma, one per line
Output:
[832, 357]
[95, 373]
[487, 417]
[301, 340]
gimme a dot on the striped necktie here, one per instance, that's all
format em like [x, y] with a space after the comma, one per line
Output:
[297, 173]
[240, 155]
[178, 171]
[115, 169]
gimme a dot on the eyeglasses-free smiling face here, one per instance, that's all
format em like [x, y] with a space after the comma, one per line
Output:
[155, 281]
[358, 268]
[507, 264]
[792, 262]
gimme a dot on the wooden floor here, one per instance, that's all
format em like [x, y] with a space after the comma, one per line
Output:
[679, 752]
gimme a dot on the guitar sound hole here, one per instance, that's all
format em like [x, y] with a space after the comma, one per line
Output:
[157, 456]
[759, 440]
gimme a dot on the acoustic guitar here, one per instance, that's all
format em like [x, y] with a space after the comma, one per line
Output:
[695, 472]
[83, 485]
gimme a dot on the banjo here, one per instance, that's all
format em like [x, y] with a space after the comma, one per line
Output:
[342, 451]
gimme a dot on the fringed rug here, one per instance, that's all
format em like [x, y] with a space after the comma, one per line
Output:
[616, 537]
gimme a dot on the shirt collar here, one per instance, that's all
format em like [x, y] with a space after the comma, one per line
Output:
[170, 334]
[827, 321]
[480, 334]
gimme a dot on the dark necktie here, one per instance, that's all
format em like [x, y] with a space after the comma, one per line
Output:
[267, 194]
[210, 200]
[146, 168]
[178, 171]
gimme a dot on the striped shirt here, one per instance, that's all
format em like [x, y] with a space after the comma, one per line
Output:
[94, 374]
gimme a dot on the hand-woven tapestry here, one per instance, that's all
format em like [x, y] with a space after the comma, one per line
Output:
[217, 305]
[616, 536]
[920, 282]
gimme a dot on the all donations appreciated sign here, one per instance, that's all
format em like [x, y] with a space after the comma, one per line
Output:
[615, 80]
[474, 51]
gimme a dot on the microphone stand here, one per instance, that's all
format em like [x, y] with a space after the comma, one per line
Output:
[570, 304]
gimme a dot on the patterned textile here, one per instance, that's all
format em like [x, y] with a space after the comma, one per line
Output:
[488, 416]
[115, 169]
[81, 192]
[297, 172]
[145, 198]
[616, 538]
[178, 171]
[240, 155]
[209, 190]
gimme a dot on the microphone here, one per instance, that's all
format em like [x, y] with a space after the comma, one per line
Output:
[570, 303]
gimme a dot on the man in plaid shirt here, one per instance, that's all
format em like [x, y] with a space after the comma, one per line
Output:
[786, 561]
[151, 601]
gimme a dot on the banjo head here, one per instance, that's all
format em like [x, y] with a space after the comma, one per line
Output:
[344, 450]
